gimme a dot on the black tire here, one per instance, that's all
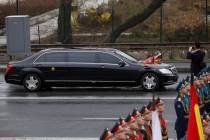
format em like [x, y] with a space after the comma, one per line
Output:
[32, 82]
[150, 82]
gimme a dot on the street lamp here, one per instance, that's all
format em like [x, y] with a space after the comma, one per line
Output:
[17, 7]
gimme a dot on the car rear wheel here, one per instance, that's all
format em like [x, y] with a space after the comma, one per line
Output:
[150, 82]
[32, 82]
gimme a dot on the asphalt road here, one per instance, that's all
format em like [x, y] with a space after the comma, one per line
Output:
[72, 112]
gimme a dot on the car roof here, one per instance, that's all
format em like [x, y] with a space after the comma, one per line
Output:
[78, 49]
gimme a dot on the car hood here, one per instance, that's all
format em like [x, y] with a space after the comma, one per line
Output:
[155, 65]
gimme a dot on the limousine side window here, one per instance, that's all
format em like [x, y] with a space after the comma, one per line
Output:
[53, 57]
[108, 58]
[82, 57]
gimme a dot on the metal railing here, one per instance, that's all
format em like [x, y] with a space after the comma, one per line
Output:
[171, 51]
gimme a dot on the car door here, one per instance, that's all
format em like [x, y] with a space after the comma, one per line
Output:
[82, 66]
[112, 71]
[53, 66]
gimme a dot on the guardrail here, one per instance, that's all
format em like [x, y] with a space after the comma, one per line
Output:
[122, 44]
[131, 45]
[171, 51]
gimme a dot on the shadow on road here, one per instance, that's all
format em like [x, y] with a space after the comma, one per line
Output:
[19, 91]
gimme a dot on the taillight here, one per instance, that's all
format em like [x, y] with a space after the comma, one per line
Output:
[9, 68]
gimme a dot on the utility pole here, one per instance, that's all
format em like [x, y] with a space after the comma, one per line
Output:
[17, 7]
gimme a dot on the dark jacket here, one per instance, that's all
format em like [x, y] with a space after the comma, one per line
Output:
[182, 115]
[197, 63]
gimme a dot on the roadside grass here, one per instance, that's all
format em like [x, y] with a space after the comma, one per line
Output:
[26, 7]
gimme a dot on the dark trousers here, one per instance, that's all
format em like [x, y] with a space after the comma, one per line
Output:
[180, 134]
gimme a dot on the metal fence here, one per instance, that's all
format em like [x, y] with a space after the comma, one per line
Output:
[174, 21]
[92, 20]
[171, 51]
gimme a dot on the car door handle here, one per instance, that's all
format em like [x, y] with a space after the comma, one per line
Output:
[102, 66]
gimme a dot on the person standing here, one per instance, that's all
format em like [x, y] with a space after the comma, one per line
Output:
[181, 112]
[159, 105]
[147, 115]
[197, 58]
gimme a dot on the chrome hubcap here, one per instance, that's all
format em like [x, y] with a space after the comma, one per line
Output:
[32, 82]
[149, 82]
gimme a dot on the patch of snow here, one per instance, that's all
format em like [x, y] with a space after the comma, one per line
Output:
[6, 1]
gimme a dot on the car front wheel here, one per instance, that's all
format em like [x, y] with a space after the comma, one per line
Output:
[32, 82]
[150, 82]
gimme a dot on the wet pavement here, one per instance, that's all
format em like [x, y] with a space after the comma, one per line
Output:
[73, 112]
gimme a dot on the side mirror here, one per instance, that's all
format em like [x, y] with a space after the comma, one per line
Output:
[122, 63]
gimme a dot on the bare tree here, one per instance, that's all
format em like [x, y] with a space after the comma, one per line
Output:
[64, 22]
[134, 20]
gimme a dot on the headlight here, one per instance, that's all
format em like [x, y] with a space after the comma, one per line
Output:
[165, 71]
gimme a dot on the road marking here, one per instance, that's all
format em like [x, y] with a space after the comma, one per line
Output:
[99, 119]
[84, 98]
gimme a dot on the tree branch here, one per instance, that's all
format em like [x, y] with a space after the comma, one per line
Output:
[134, 20]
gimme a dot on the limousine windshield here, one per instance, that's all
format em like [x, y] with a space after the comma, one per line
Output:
[126, 56]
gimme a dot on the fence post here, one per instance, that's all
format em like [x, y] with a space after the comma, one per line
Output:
[207, 31]
[17, 7]
[39, 35]
[171, 53]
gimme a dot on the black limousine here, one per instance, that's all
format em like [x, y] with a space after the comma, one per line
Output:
[101, 67]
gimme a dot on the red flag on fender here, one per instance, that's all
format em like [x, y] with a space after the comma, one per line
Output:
[149, 60]
[194, 130]
[154, 59]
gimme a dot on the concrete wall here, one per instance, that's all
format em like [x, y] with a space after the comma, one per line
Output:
[47, 23]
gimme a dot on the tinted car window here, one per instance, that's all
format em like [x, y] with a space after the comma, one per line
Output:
[53, 57]
[82, 57]
[108, 58]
